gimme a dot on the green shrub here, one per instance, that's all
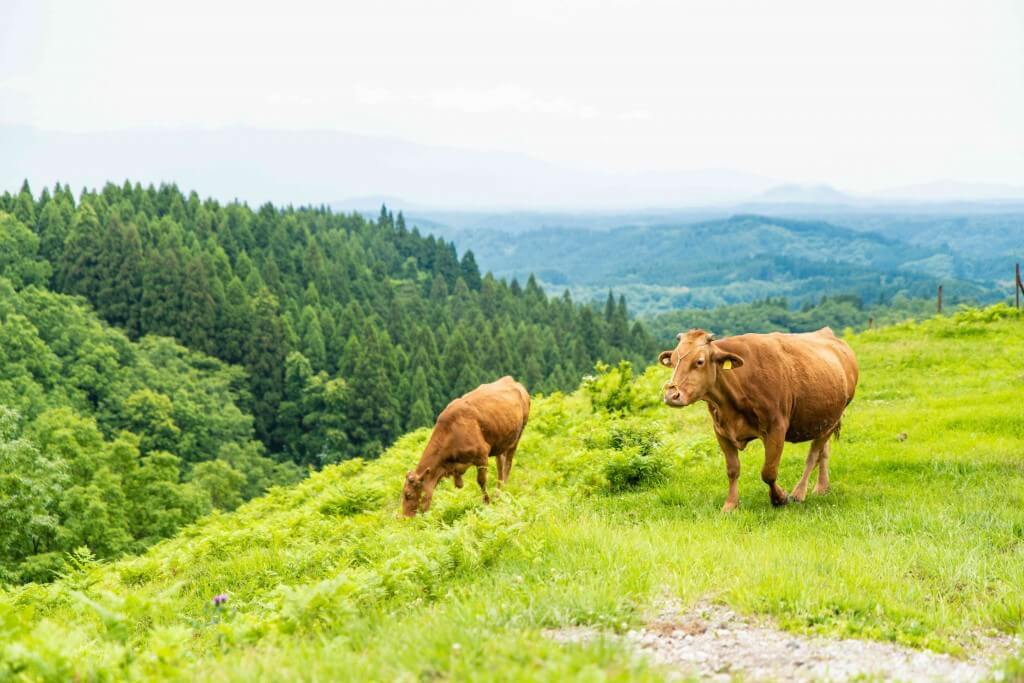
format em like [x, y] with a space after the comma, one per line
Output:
[634, 458]
[612, 389]
[990, 314]
[630, 469]
[645, 437]
[41, 568]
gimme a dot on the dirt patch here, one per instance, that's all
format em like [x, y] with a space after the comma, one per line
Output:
[714, 643]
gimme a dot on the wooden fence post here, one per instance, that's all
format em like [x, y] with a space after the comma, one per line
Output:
[871, 322]
[1018, 287]
[939, 304]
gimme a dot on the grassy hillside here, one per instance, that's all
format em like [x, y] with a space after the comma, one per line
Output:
[921, 541]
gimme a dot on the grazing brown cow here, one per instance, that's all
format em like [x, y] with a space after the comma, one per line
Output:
[774, 387]
[487, 421]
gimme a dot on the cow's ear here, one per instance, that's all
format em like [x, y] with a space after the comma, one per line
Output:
[665, 359]
[727, 360]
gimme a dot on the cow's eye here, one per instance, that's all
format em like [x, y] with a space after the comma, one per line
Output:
[700, 362]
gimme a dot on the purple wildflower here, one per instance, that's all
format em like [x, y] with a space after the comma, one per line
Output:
[220, 599]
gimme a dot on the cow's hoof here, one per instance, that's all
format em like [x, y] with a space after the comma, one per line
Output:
[780, 501]
[820, 490]
[797, 497]
[730, 506]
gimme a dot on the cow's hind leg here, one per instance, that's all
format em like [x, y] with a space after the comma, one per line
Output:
[500, 461]
[732, 469]
[481, 478]
[800, 490]
[773, 444]
[822, 486]
[509, 454]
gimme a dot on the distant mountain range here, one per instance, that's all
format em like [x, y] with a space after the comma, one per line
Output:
[318, 167]
[358, 172]
[703, 263]
[805, 194]
[944, 190]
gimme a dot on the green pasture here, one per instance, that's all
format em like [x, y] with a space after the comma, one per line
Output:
[920, 541]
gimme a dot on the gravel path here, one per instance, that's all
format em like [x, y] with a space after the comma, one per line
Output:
[714, 643]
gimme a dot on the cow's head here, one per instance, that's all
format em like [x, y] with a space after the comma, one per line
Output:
[412, 493]
[695, 362]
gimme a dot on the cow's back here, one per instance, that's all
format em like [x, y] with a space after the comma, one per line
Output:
[806, 379]
[496, 412]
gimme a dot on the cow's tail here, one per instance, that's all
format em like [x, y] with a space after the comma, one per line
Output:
[839, 428]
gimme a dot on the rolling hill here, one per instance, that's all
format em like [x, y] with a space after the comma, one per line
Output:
[742, 258]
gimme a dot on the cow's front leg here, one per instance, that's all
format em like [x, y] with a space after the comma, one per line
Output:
[481, 478]
[773, 444]
[732, 468]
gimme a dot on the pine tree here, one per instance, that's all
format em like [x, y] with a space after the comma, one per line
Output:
[198, 315]
[25, 207]
[313, 339]
[265, 360]
[420, 414]
[162, 285]
[469, 271]
[334, 343]
[618, 326]
[53, 227]
[290, 412]
[121, 267]
[78, 269]
[350, 356]
[459, 366]
[438, 290]
[235, 323]
[372, 407]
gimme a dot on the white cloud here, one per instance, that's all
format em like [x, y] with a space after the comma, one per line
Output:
[508, 97]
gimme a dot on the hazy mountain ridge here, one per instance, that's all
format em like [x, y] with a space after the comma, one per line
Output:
[352, 171]
[321, 166]
[751, 256]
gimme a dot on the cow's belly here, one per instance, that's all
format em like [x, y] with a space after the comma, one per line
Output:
[808, 422]
[819, 400]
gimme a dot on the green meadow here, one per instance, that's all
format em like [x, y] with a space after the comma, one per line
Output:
[613, 503]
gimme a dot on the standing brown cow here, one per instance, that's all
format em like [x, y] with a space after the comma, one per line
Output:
[487, 421]
[774, 387]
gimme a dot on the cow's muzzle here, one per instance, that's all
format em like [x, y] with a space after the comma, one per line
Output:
[674, 397]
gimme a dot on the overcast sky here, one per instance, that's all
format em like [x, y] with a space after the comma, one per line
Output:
[862, 95]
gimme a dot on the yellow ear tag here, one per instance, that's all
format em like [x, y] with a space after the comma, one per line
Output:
[727, 365]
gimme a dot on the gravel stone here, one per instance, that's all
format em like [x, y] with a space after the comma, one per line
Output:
[713, 643]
